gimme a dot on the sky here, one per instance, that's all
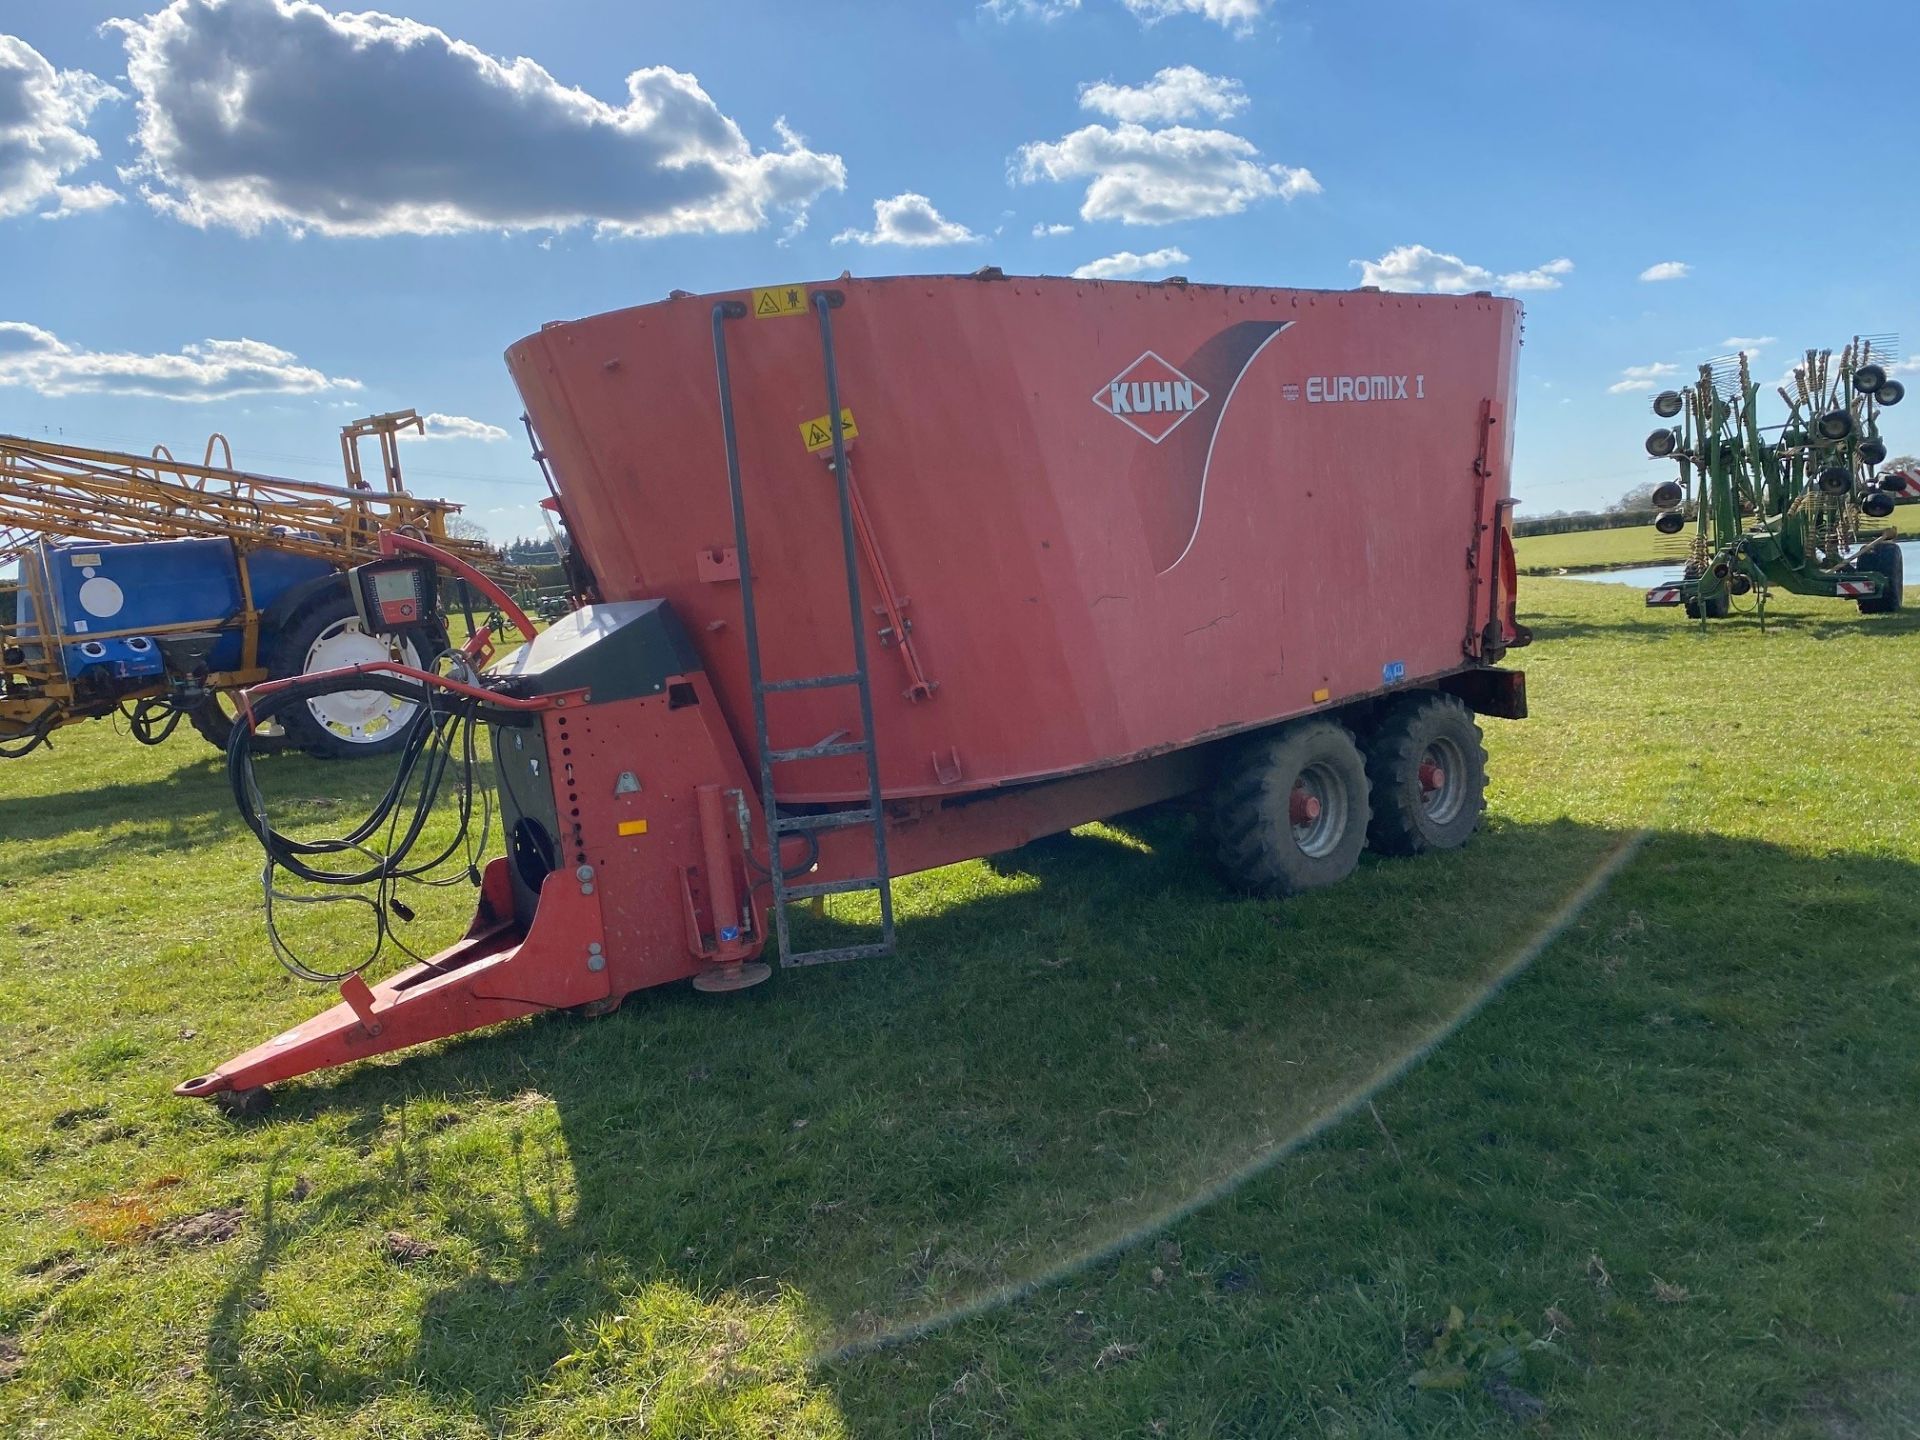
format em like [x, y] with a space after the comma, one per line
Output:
[267, 217]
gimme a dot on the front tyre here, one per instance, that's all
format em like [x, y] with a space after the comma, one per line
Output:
[215, 716]
[326, 635]
[1292, 814]
[1427, 769]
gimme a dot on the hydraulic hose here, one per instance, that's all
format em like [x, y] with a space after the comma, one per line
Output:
[442, 728]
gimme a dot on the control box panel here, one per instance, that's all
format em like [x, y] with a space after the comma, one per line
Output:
[394, 594]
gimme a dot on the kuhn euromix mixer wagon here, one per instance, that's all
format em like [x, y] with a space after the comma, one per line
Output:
[886, 574]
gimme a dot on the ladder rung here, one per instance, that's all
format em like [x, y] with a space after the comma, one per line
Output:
[810, 682]
[828, 820]
[845, 952]
[832, 887]
[818, 752]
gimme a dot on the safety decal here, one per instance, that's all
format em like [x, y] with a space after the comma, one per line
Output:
[777, 300]
[817, 434]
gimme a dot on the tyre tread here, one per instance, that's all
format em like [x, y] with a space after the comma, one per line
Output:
[1252, 843]
[1394, 748]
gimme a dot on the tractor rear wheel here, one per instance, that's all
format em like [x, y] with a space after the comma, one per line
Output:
[1427, 767]
[1292, 813]
[1887, 561]
[326, 635]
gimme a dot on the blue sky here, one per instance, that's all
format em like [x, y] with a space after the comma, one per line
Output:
[379, 209]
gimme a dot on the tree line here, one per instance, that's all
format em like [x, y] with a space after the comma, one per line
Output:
[1636, 507]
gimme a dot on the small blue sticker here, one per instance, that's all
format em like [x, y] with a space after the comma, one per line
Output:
[1393, 672]
[729, 934]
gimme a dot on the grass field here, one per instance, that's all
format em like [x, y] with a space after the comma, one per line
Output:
[1106, 1151]
[1634, 545]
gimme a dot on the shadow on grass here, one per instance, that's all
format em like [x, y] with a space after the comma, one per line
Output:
[191, 791]
[181, 809]
[1075, 1043]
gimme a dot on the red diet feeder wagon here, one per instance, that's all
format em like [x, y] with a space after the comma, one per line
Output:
[886, 574]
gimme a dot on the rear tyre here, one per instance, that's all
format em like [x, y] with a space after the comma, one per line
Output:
[1292, 815]
[348, 723]
[213, 718]
[1427, 770]
[1883, 560]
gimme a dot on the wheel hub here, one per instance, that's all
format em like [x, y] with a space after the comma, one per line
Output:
[1317, 811]
[358, 716]
[1442, 786]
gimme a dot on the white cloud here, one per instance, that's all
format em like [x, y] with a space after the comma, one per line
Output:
[78, 199]
[1235, 15]
[1641, 377]
[1155, 177]
[1238, 16]
[1667, 270]
[1748, 343]
[1031, 9]
[1542, 277]
[1415, 268]
[1125, 262]
[210, 370]
[1908, 366]
[1044, 231]
[909, 219]
[260, 112]
[1179, 92]
[43, 131]
[460, 427]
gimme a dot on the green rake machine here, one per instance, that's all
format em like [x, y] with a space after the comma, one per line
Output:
[1792, 505]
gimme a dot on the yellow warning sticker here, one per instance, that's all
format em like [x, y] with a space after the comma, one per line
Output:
[817, 434]
[777, 300]
[633, 827]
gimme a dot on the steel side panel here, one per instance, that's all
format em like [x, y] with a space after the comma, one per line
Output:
[1081, 593]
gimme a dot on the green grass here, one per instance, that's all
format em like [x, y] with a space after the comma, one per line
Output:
[1634, 545]
[1042, 1174]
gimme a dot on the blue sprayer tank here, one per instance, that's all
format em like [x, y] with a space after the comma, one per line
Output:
[108, 590]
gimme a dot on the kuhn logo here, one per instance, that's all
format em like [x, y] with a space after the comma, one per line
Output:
[1150, 397]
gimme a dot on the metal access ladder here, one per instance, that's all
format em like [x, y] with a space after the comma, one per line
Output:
[782, 822]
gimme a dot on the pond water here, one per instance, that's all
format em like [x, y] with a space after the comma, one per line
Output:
[1643, 576]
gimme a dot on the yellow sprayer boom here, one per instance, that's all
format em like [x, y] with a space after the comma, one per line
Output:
[79, 493]
[157, 588]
